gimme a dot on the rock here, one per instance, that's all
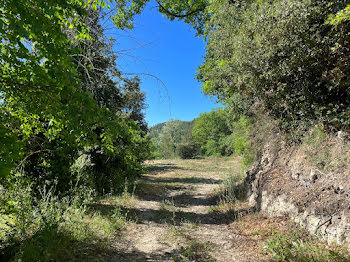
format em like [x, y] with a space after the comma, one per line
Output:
[283, 182]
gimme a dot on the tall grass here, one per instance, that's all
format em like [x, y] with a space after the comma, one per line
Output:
[44, 227]
[297, 246]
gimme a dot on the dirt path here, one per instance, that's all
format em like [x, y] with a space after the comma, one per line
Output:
[175, 217]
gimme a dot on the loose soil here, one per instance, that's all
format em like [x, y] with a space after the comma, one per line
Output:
[177, 215]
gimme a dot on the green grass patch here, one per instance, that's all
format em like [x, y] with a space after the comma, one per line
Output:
[57, 229]
[297, 246]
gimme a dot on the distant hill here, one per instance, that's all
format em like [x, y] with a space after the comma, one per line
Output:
[155, 130]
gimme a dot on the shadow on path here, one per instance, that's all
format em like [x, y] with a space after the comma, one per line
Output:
[177, 217]
[162, 168]
[164, 216]
[187, 180]
[139, 256]
[182, 200]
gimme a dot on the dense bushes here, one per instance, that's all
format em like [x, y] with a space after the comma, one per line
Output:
[285, 54]
[187, 150]
[167, 137]
[50, 228]
[209, 132]
[66, 99]
[70, 122]
[217, 133]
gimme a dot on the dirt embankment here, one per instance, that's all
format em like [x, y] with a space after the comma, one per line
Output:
[309, 182]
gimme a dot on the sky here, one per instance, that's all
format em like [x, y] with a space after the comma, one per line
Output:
[165, 54]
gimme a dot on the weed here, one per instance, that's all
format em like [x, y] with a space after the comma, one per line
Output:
[213, 209]
[194, 250]
[48, 228]
[191, 249]
[168, 205]
[296, 246]
[176, 231]
[125, 199]
[256, 233]
[318, 151]
[231, 190]
[189, 224]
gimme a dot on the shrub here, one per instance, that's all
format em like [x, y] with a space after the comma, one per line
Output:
[242, 140]
[233, 188]
[288, 55]
[48, 228]
[187, 150]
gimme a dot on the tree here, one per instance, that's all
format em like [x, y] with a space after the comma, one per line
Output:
[210, 130]
[62, 96]
[191, 12]
[170, 136]
[167, 137]
[134, 102]
[285, 55]
[40, 84]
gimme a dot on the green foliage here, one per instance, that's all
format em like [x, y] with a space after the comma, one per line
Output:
[211, 148]
[70, 124]
[232, 188]
[217, 133]
[9, 151]
[74, 99]
[46, 228]
[167, 137]
[209, 132]
[317, 138]
[242, 140]
[295, 246]
[340, 17]
[187, 150]
[38, 85]
[319, 153]
[192, 12]
[284, 54]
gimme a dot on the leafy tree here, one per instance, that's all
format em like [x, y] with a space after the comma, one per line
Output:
[167, 137]
[209, 132]
[62, 96]
[134, 102]
[187, 150]
[340, 17]
[170, 136]
[39, 85]
[283, 54]
[191, 12]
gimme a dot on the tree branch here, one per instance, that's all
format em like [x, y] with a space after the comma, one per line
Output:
[178, 15]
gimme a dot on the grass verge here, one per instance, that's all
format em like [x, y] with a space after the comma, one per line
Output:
[53, 229]
[298, 246]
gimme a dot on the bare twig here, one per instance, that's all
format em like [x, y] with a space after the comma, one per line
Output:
[31, 154]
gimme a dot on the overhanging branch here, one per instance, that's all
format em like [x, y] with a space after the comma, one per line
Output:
[178, 15]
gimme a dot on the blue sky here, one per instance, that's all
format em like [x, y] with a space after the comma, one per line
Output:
[169, 51]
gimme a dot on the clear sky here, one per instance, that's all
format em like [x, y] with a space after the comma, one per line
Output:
[169, 51]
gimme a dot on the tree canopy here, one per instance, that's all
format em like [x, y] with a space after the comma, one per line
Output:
[62, 95]
[191, 12]
[289, 55]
